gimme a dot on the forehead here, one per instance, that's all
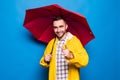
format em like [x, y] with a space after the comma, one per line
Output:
[59, 22]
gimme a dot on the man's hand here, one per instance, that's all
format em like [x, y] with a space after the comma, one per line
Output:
[66, 52]
[48, 58]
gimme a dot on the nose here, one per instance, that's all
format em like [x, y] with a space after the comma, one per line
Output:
[58, 29]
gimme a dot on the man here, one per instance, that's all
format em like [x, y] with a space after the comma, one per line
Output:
[64, 55]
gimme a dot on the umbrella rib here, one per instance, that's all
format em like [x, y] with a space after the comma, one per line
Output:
[78, 22]
[51, 13]
[74, 29]
[36, 19]
[69, 15]
[45, 29]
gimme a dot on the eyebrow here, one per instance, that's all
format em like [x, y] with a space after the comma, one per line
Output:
[58, 26]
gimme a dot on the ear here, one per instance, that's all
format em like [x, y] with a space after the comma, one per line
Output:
[66, 26]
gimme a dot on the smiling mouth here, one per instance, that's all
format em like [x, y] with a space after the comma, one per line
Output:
[59, 33]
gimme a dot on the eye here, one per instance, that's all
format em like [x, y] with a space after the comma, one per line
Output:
[61, 26]
[54, 27]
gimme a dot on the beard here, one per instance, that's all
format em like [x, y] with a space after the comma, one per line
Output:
[60, 34]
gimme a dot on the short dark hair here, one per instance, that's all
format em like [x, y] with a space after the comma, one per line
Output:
[58, 18]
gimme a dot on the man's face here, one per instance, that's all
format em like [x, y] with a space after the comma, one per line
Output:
[60, 28]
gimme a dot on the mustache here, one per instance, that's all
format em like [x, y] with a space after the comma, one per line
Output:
[60, 32]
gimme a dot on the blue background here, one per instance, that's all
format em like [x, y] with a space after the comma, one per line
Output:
[20, 52]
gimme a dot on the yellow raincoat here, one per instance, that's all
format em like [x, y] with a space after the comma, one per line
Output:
[80, 58]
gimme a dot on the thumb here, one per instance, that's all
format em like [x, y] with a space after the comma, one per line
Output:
[64, 47]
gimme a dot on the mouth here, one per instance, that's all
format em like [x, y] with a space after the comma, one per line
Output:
[60, 34]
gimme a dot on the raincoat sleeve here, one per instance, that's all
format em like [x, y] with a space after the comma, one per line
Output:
[80, 55]
[47, 51]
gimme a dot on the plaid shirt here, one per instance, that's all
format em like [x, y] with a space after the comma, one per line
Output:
[62, 65]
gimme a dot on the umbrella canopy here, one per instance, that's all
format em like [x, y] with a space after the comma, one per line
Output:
[39, 22]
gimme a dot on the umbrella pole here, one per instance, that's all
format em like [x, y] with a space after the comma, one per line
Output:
[53, 46]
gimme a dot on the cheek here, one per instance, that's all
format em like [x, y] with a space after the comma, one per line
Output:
[64, 29]
[55, 30]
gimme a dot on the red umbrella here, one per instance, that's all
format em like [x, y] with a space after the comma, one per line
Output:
[39, 22]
